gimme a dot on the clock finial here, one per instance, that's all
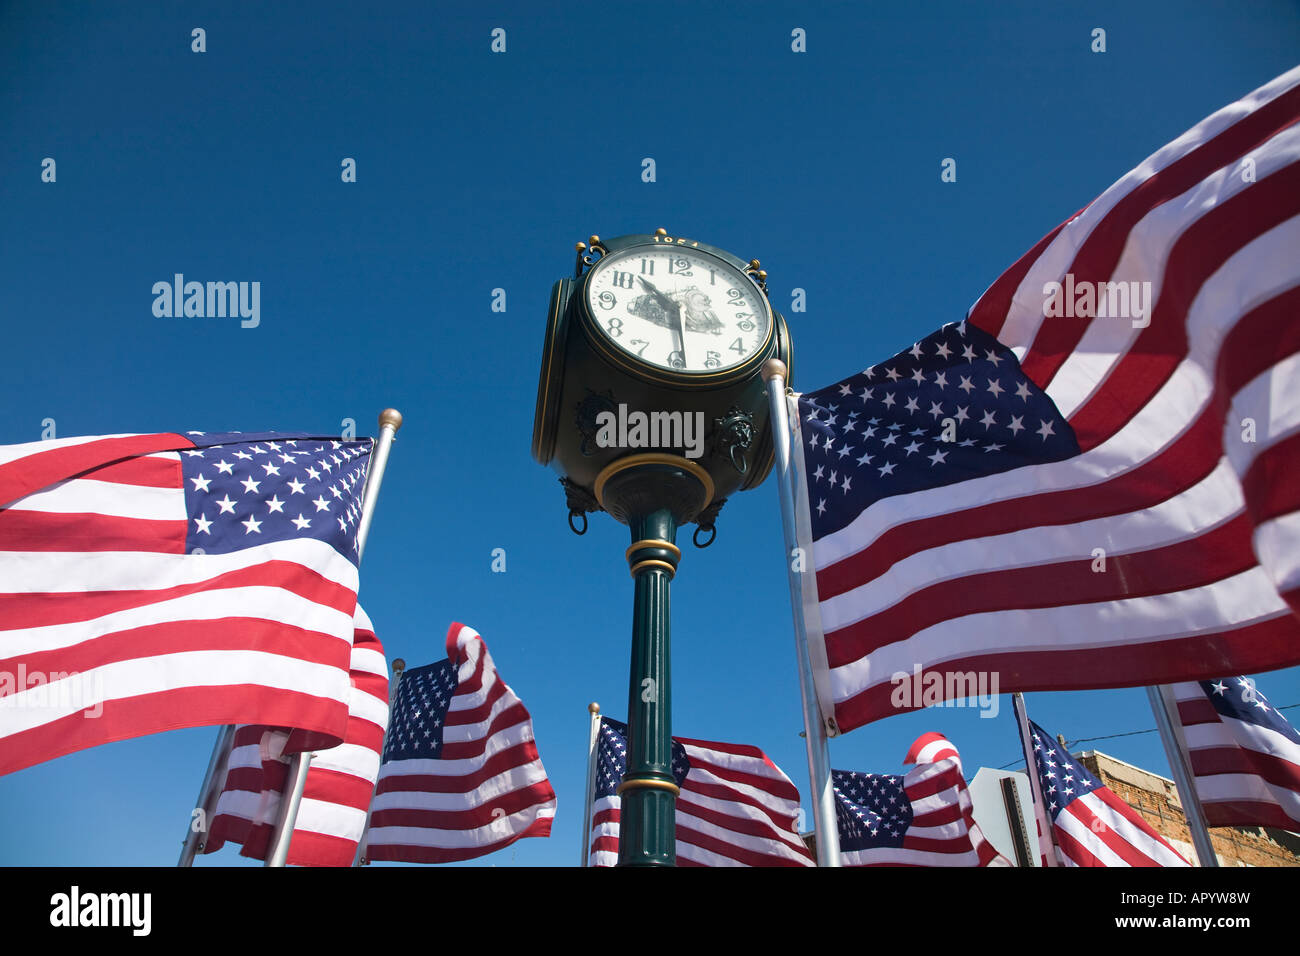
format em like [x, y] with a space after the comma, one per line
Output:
[661, 231]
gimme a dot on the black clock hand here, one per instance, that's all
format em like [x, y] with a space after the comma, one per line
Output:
[675, 310]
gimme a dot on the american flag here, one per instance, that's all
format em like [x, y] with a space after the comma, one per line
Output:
[1091, 826]
[1085, 502]
[340, 781]
[460, 776]
[162, 581]
[922, 818]
[1245, 755]
[736, 807]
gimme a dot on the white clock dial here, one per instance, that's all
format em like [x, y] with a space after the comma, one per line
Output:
[678, 308]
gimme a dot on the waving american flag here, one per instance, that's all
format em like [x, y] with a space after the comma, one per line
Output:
[922, 818]
[736, 807]
[1083, 484]
[461, 776]
[1245, 755]
[1091, 826]
[161, 581]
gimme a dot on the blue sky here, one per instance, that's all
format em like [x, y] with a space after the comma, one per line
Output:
[478, 171]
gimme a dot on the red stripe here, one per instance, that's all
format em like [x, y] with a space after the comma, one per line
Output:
[1269, 486]
[47, 531]
[746, 855]
[1100, 253]
[1210, 761]
[170, 710]
[511, 716]
[1074, 850]
[469, 818]
[1248, 813]
[39, 470]
[146, 472]
[519, 755]
[173, 637]
[770, 828]
[1127, 850]
[419, 854]
[1199, 711]
[1214, 556]
[308, 848]
[1255, 647]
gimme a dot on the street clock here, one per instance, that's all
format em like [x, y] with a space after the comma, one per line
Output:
[652, 406]
[664, 337]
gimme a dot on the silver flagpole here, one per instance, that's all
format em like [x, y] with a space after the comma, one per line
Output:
[399, 667]
[819, 761]
[1165, 709]
[589, 803]
[390, 420]
[1048, 851]
[210, 790]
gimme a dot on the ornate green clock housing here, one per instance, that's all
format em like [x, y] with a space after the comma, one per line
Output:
[654, 348]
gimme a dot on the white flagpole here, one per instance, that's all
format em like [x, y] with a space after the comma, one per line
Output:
[1045, 836]
[209, 791]
[1165, 709]
[390, 420]
[593, 736]
[819, 761]
[399, 667]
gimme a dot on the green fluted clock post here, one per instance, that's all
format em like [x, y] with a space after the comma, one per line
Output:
[651, 407]
[653, 495]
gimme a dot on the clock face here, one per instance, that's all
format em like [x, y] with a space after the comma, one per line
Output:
[678, 308]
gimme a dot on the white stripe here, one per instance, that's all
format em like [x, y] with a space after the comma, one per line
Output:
[331, 819]
[1068, 823]
[266, 603]
[490, 791]
[1268, 402]
[120, 680]
[10, 453]
[1128, 831]
[1277, 543]
[1229, 787]
[352, 759]
[46, 572]
[778, 845]
[502, 828]
[1237, 733]
[89, 496]
[502, 740]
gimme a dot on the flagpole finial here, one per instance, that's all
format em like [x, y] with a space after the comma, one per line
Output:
[390, 416]
[593, 707]
[399, 665]
[772, 368]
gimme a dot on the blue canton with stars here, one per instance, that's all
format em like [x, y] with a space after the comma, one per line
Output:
[954, 406]
[243, 489]
[1064, 779]
[1240, 699]
[871, 809]
[611, 758]
[420, 713]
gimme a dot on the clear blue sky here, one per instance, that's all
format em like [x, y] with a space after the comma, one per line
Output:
[478, 171]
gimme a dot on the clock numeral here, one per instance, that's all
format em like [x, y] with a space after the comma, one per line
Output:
[624, 280]
[607, 300]
[616, 327]
[680, 267]
[677, 360]
[712, 275]
[641, 342]
[744, 324]
[735, 297]
[737, 346]
[648, 267]
[713, 360]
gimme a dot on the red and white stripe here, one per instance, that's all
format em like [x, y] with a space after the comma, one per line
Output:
[736, 808]
[128, 634]
[487, 790]
[931, 748]
[1246, 774]
[340, 781]
[1200, 528]
[1100, 829]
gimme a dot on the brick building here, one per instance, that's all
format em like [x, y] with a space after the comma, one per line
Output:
[1156, 798]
